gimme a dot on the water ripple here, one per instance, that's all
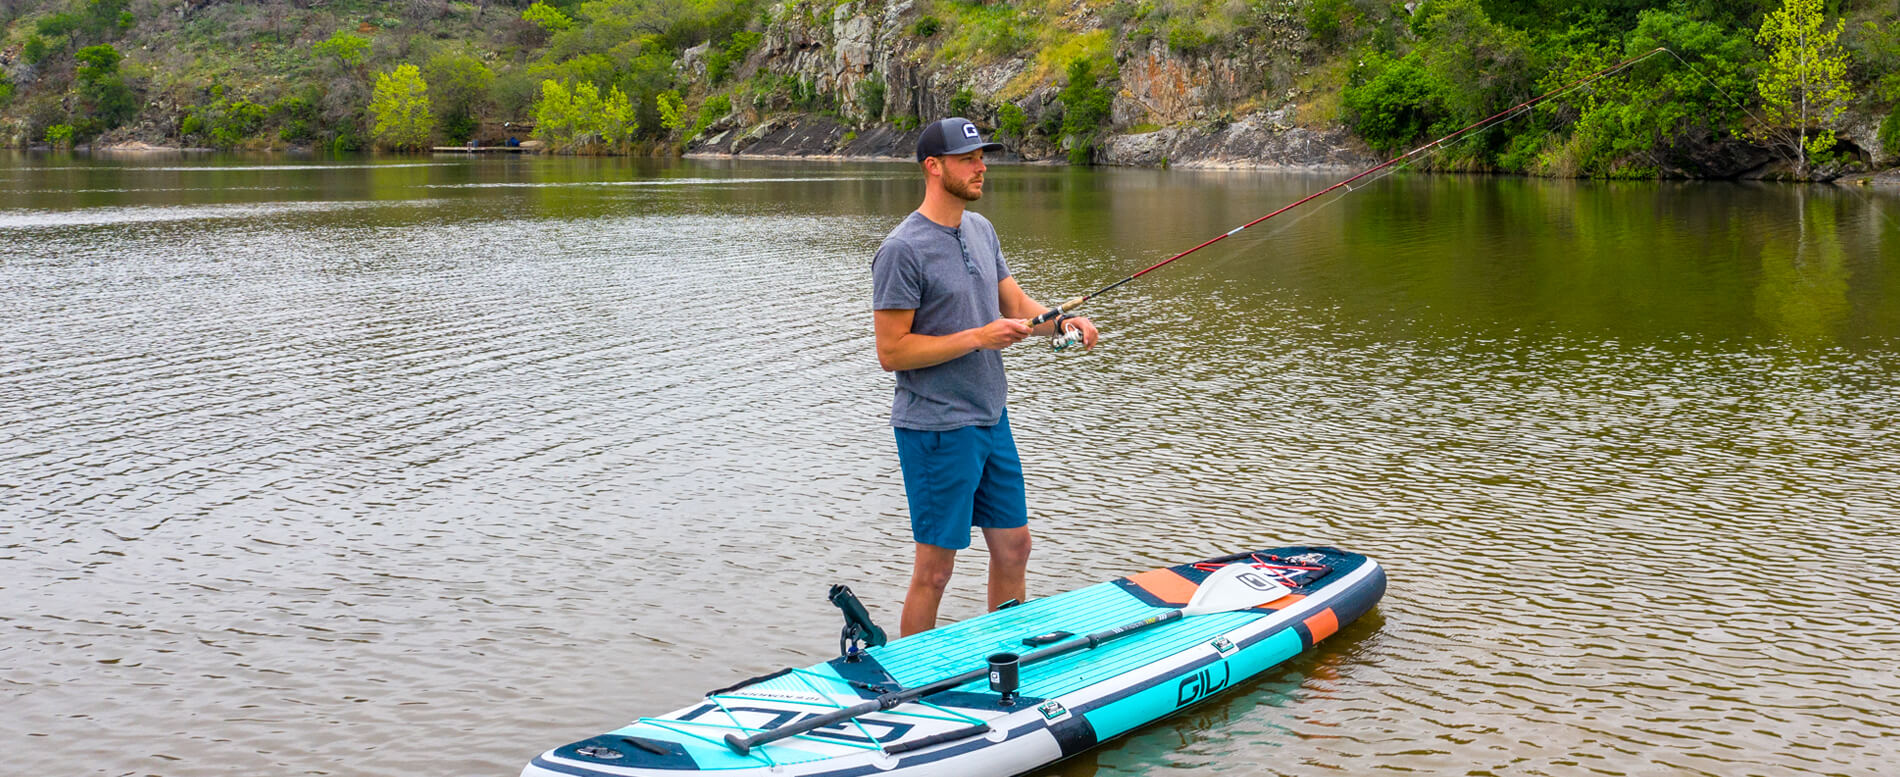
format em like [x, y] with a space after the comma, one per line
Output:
[335, 487]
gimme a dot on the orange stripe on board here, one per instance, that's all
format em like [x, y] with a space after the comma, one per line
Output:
[1284, 602]
[1322, 624]
[1166, 584]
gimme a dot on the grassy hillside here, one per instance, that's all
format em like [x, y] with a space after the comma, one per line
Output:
[622, 76]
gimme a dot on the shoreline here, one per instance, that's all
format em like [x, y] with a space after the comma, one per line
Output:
[1888, 177]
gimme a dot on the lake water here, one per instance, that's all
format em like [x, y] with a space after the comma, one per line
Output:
[419, 466]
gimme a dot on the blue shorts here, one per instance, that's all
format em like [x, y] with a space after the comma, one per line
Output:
[962, 478]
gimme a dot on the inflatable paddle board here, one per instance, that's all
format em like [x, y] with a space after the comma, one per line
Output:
[1008, 691]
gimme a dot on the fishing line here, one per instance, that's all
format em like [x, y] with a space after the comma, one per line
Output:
[1376, 173]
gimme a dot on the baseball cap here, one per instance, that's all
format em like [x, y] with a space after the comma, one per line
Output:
[947, 137]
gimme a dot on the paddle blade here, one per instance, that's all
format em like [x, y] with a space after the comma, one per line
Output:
[1234, 587]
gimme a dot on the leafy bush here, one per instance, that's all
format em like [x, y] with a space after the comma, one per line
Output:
[1322, 18]
[1391, 103]
[242, 119]
[1011, 121]
[1188, 38]
[60, 134]
[804, 94]
[713, 109]
[1085, 110]
[1637, 121]
[35, 49]
[57, 25]
[226, 122]
[347, 49]
[926, 27]
[720, 62]
[457, 128]
[6, 88]
[871, 93]
[547, 17]
[962, 103]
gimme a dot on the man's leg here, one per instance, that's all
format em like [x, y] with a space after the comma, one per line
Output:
[1009, 564]
[928, 576]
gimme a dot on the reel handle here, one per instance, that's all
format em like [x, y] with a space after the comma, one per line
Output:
[1070, 336]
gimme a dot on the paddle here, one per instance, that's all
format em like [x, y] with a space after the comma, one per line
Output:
[1232, 587]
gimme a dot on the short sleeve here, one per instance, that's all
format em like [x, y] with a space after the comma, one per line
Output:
[896, 279]
[1002, 266]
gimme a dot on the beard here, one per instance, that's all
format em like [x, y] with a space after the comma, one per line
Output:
[964, 190]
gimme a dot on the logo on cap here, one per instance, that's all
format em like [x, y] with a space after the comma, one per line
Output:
[969, 130]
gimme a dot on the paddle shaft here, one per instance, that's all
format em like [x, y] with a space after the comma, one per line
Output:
[744, 745]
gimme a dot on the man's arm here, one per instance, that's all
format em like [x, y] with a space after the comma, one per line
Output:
[1016, 304]
[898, 348]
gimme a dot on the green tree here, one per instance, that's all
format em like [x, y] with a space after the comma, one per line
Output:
[720, 61]
[1085, 110]
[547, 17]
[1803, 85]
[458, 89]
[107, 100]
[1878, 54]
[713, 109]
[1012, 121]
[673, 115]
[1392, 103]
[35, 50]
[103, 18]
[95, 61]
[1626, 127]
[347, 49]
[555, 121]
[399, 108]
[871, 91]
[582, 120]
[225, 122]
[617, 120]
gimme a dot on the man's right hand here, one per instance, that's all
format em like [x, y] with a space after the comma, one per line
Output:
[1001, 333]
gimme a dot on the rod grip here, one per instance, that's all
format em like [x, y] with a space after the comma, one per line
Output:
[1058, 310]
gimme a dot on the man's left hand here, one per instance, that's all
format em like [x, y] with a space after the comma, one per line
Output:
[1088, 330]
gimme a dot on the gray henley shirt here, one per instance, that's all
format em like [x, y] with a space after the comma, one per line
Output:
[948, 275]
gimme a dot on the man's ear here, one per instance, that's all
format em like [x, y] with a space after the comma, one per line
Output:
[927, 165]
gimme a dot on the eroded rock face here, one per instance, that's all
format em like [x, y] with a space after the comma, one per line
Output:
[1160, 86]
[1259, 140]
[872, 39]
[1213, 108]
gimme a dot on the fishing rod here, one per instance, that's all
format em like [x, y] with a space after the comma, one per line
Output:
[1072, 336]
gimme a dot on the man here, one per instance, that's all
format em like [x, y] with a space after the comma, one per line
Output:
[945, 305]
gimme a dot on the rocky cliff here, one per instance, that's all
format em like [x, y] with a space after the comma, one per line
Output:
[1209, 109]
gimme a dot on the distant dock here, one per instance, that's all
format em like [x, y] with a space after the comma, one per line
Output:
[478, 150]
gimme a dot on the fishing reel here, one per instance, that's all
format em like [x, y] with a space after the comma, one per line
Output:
[1066, 337]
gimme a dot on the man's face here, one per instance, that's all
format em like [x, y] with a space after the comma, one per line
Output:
[963, 175]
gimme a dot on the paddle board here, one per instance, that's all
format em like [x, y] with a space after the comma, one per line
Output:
[1057, 707]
